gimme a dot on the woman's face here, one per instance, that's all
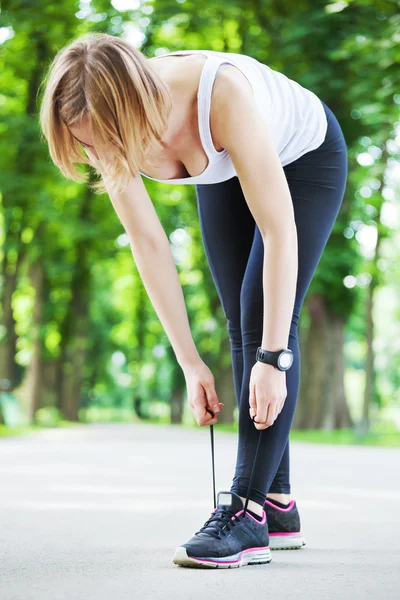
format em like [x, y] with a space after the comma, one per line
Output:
[82, 133]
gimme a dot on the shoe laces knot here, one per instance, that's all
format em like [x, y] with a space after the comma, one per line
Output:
[220, 523]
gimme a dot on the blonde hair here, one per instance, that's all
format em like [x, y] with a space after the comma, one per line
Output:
[110, 82]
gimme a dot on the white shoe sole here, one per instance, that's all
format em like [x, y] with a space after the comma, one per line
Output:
[253, 556]
[291, 541]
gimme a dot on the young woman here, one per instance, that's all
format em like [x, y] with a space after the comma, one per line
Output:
[269, 162]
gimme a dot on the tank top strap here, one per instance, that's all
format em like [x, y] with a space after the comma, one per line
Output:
[208, 74]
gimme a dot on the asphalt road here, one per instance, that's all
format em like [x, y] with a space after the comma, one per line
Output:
[95, 513]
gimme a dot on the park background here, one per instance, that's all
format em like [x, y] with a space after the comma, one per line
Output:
[79, 338]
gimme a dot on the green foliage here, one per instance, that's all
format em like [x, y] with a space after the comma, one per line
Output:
[348, 53]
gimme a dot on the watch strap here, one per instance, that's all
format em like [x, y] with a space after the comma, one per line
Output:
[270, 356]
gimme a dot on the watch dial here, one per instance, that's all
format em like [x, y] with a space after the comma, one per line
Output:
[285, 360]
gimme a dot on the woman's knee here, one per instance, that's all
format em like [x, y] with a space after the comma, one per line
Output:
[235, 332]
[252, 321]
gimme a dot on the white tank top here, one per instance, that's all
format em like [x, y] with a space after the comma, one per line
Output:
[294, 115]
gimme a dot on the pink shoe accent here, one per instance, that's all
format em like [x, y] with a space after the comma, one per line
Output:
[230, 562]
[287, 534]
[279, 508]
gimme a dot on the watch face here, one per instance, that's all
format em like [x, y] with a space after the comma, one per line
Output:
[285, 360]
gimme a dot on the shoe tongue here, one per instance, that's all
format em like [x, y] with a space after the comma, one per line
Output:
[229, 501]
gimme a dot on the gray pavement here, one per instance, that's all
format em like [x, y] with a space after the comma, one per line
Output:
[95, 512]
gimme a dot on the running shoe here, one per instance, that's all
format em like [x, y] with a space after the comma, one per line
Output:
[230, 538]
[284, 526]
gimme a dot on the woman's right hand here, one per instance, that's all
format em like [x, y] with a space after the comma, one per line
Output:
[202, 396]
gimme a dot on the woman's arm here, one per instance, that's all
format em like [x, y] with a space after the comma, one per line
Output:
[153, 258]
[240, 128]
[155, 263]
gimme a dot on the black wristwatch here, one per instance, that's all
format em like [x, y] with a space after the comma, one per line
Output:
[280, 359]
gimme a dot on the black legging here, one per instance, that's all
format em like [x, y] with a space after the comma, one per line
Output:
[234, 250]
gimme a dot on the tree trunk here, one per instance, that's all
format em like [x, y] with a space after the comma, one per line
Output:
[315, 363]
[31, 385]
[75, 353]
[138, 358]
[177, 402]
[322, 401]
[49, 381]
[178, 393]
[369, 389]
[76, 326]
[8, 344]
[16, 220]
[336, 414]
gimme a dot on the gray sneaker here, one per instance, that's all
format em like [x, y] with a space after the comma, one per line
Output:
[284, 526]
[229, 538]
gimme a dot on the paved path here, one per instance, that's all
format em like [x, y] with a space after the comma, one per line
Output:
[94, 513]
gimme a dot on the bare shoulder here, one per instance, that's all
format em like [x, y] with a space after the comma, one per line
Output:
[232, 92]
[231, 80]
[186, 77]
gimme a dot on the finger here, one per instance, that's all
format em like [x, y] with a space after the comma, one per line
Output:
[252, 401]
[271, 415]
[212, 398]
[203, 417]
[200, 412]
[209, 418]
[262, 408]
[258, 425]
[268, 420]
[252, 398]
[211, 412]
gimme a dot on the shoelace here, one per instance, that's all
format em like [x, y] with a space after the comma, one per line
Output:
[221, 521]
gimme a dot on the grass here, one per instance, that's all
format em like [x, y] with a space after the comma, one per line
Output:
[14, 431]
[348, 437]
[381, 434]
[27, 429]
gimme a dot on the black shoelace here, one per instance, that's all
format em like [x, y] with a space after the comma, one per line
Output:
[221, 521]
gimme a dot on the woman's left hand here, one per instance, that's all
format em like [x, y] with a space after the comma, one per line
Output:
[267, 394]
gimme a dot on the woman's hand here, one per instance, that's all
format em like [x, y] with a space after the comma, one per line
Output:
[267, 394]
[201, 394]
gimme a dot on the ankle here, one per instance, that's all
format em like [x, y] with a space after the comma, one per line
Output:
[282, 498]
[254, 507]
